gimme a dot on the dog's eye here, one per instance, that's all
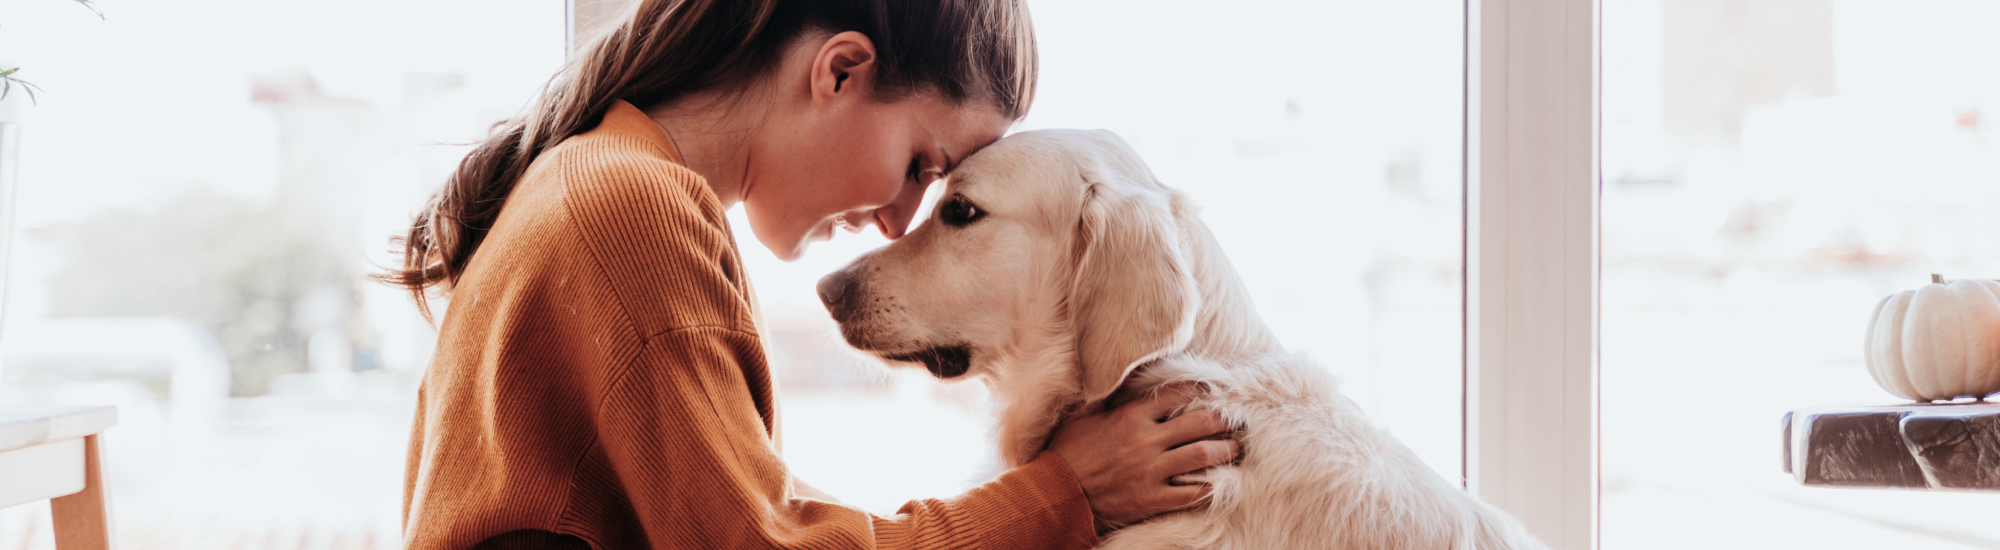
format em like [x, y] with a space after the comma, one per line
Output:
[957, 212]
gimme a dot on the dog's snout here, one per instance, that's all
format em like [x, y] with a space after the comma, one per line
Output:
[834, 289]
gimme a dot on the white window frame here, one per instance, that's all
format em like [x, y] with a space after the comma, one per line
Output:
[1531, 263]
[1531, 257]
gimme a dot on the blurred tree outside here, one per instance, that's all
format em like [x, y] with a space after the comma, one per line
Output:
[247, 272]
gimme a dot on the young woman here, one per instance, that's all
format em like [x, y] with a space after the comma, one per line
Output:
[599, 380]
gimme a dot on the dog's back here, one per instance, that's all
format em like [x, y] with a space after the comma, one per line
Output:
[1315, 473]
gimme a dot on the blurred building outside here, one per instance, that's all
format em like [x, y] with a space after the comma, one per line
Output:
[205, 185]
[262, 381]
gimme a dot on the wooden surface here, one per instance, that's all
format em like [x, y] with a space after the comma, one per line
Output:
[83, 519]
[1951, 446]
[54, 453]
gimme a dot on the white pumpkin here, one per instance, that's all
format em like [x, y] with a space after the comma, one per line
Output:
[1941, 341]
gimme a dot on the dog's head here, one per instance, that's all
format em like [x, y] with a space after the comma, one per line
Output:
[1053, 249]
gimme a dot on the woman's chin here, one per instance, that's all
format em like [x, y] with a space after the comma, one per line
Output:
[797, 248]
[796, 251]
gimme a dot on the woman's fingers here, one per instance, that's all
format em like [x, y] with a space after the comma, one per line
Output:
[1124, 457]
[1196, 456]
[1201, 424]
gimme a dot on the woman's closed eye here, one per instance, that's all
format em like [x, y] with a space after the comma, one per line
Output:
[958, 212]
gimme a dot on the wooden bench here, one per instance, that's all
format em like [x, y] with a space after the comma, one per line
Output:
[53, 453]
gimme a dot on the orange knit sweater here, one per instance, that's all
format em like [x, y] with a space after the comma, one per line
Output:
[599, 376]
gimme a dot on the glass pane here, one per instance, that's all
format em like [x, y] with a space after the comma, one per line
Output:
[202, 186]
[1322, 141]
[1773, 169]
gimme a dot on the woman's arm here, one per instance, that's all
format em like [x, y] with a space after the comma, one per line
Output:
[683, 435]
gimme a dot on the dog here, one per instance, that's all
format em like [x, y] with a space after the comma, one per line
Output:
[1059, 270]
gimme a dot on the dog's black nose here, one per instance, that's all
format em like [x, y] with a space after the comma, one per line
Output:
[835, 287]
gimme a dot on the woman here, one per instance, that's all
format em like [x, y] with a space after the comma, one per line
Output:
[599, 381]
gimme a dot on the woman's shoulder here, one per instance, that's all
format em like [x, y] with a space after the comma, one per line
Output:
[654, 227]
[624, 171]
[627, 160]
[614, 173]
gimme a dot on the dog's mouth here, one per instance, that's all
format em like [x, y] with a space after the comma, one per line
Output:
[943, 362]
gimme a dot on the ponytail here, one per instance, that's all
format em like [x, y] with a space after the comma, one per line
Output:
[666, 49]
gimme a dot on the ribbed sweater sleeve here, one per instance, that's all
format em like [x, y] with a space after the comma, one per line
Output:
[1038, 495]
[679, 432]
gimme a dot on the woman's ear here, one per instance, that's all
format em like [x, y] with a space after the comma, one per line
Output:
[845, 64]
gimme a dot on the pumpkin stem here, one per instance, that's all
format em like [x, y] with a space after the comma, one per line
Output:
[1937, 278]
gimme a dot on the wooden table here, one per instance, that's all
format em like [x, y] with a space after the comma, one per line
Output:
[53, 453]
[1945, 446]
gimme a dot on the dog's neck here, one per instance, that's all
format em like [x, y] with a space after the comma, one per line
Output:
[1227, 332]
[1227, 329]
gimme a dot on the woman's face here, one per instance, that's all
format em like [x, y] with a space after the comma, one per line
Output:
[858, 162]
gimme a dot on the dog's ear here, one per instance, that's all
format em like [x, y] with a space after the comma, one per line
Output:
[1135, 296]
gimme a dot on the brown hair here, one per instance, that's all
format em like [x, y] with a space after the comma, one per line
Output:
[963, 49]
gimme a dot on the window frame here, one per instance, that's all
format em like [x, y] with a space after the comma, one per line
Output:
[1532, 263]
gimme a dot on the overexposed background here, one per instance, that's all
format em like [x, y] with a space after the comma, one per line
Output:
[1771, 170]
[204, 183]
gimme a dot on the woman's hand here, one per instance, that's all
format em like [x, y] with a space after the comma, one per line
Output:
[1124, 457]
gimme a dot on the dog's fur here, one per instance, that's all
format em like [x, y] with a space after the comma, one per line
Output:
[1086, 275]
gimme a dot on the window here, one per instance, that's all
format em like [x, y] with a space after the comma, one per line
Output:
[1771, 170]
[203, 185]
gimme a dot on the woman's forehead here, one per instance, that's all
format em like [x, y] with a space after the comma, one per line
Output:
[961, 127]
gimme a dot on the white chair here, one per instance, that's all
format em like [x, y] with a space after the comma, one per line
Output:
[53, 453]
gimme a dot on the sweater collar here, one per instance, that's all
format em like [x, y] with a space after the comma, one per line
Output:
[627, 120]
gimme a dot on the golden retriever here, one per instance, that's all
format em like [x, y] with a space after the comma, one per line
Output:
[1058, 269]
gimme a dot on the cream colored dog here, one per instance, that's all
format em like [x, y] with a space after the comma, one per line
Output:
[1058, 269]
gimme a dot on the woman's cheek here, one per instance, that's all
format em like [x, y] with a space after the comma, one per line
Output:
[862, 189]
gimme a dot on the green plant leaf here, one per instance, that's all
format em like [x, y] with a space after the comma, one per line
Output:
[7, 82]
